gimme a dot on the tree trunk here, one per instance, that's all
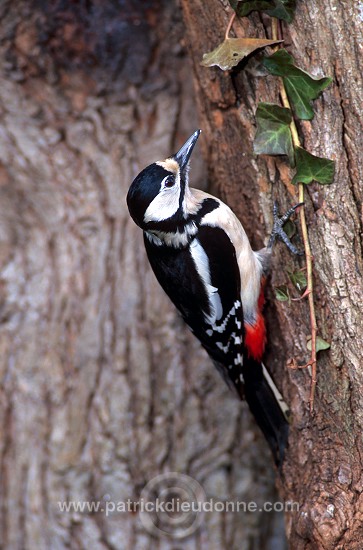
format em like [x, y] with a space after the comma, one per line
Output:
[102, 387]
[323, 468]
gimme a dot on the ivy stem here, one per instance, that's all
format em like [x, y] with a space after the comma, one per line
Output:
[229, 26]
[309, 258]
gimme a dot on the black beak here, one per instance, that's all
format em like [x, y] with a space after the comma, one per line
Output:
[183, 155]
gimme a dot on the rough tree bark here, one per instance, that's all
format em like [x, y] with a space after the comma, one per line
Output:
[323, 469]
[102, 387]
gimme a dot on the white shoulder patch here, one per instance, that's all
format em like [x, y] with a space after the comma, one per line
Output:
[249, 262]
[201, 262]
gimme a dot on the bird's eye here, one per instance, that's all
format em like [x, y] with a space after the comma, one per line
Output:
[169, 182]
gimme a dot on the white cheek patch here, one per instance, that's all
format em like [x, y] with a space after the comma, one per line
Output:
[165, 204]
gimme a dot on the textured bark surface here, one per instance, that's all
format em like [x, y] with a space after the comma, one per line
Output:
[102, 387]
[323, 470]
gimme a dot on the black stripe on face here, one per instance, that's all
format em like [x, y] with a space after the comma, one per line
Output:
[178, 222]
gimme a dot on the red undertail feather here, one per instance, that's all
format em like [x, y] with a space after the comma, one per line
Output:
[255, 336]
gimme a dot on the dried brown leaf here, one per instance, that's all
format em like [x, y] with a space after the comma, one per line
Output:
[232, 50]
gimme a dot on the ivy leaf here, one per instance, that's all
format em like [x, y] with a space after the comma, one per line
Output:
[321, 344]
[301, 87]
[311, 168]
[232, 50]
[284, 9]
[282, 293]
[244, 8]
[273, 136]
[298, 279]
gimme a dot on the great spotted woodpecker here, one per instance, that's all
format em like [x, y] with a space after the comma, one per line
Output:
[203, 260]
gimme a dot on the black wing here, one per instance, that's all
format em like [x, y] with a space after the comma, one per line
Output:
[177, 273]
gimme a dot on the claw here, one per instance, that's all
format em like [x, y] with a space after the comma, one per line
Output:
[277, 230]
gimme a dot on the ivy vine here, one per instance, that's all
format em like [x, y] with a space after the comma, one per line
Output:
[277, 134]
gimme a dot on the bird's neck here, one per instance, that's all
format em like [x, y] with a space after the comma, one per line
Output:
[180, 237]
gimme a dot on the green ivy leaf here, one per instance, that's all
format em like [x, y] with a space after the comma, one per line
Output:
[321, 344]
[282, 293]
[311, 168]
[284, 9]
[301, 87]
[273, 136]
[232, 50]
[298, 279]
[244, 8]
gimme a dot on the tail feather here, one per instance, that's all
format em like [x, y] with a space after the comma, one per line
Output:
[268, 407]
[280, 400]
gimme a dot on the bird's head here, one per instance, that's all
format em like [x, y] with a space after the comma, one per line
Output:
[156, 196]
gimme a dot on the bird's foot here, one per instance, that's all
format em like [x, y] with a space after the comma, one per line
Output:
[278, 231]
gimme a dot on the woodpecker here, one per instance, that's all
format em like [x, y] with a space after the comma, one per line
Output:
[203, 260]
